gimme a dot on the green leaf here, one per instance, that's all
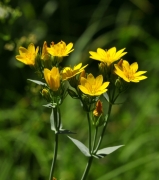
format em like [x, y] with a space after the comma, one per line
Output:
[105, 151]
[106, 96]
[52, 121]
[55, 127]
[37, 82]
[65, 131]
[50, 105]
[72, 94]
[81, 147]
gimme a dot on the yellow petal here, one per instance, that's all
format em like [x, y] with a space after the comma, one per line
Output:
[47, 75]
[104, 85]
[120, 53]
[31, 48]
[94, 55]
[83, 89]
[126, 65]
[78, 66]
[99, 80]
[112, 51]
[134, 67]
[22, 50]
[91, 79]
[69, 47]
[139, 73]
[101, 53]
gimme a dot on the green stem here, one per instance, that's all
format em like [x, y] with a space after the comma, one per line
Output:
[95, 137]
[54, 157]
[56, 123]
[104, 127]
[89, 163]
[89, 126]
[90, 148]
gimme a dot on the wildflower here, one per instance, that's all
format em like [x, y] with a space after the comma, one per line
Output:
[107, 56]
[99, 109]
[93, 86]
[129, 72]
[44, 55]
[27, 56]
[60, 49]
[68, 72]
[52, 78]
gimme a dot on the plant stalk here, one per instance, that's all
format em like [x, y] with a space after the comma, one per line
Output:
[89, 163]
[54, 157]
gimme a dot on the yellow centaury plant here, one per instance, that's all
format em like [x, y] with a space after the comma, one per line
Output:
[84, 87]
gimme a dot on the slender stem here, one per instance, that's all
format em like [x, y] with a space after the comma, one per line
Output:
[54, 157]
[90, 149]
[89, 126]
[95, 138]
[56, 123]
[89, 163]
[104, 128]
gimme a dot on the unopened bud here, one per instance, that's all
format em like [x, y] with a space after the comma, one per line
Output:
[46, 94]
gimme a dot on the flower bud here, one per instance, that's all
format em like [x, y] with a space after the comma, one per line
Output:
[46, 94]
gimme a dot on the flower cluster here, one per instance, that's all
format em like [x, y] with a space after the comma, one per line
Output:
[86, 84]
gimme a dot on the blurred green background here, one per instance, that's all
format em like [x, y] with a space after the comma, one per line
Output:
[26, 141]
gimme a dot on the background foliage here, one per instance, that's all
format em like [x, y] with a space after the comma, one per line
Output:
[25, 137]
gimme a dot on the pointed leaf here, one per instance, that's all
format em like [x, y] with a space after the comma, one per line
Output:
[72, 94]
[37, 82]
[105, 151]
[81, 147]
[106, 96]
[52, 121]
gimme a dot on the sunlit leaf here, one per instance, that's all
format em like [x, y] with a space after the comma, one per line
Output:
[52, 121]
[106, 96]
[81, 147]
[37, 82]
[105, 151]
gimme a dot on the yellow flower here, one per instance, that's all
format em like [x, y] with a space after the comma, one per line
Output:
[52, 78]
[128, 72]
[44, 55]
[93, 86]
[99, 109]
[107, 56]
[69, 72]
[27, 56]
[60, 49]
